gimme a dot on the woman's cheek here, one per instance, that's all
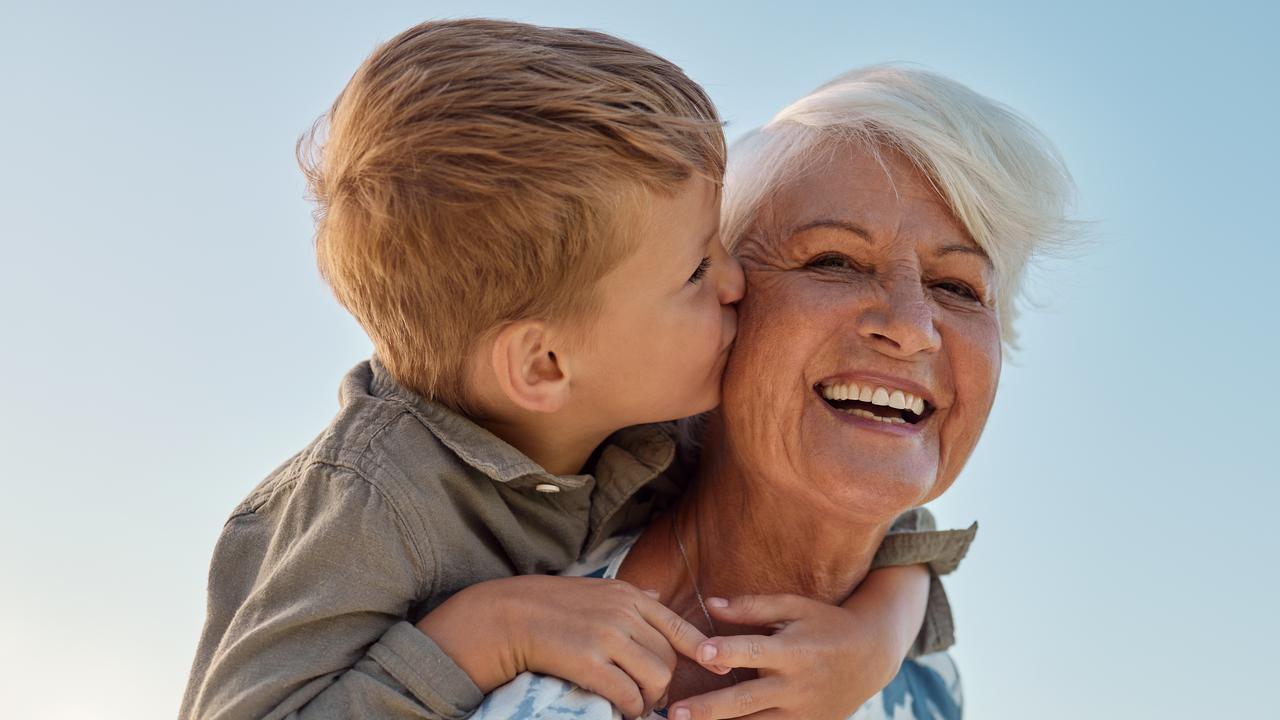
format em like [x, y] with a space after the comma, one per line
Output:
[974, 352]
[980, 343]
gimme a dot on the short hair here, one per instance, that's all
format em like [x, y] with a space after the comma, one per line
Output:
[1000, 176]
[474, 172]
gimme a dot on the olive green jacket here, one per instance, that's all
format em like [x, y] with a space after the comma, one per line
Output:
[320, 573]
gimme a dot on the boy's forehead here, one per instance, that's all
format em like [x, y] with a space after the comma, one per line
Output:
[700, 197]
[690, 215]
[672, 229]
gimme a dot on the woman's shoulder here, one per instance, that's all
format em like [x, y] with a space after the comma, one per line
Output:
[925, 688]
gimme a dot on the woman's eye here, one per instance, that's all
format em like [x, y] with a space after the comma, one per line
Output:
[701, 271]
[831, 260]
[959, 289]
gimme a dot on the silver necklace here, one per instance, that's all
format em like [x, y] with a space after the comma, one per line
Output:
[697, 591]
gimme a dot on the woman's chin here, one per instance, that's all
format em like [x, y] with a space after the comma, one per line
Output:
[879, 468]
[879, 492]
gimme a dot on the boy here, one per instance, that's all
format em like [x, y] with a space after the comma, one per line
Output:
[525, 222]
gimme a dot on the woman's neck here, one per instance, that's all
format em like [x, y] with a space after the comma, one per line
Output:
[734, 534]
[747, 534]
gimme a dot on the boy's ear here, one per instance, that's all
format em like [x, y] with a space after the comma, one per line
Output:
[527, 369]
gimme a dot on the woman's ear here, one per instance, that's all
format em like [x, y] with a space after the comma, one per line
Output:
[527, 369]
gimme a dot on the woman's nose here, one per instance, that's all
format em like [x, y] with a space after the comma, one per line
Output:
[732, 281]
[901, 322]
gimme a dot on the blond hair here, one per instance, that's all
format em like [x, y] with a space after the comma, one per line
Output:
[1001, 177]
[473, 172]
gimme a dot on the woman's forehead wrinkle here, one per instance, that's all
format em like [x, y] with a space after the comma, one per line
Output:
[906, 268]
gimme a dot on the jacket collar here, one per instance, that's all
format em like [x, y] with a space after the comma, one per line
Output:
[627, 460]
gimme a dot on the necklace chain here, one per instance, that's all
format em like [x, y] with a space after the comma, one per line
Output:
[697, 591]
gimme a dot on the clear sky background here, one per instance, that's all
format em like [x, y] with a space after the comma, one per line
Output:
[165, 340]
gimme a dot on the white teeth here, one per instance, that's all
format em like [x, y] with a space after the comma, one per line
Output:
[872, 416]
[880, 395]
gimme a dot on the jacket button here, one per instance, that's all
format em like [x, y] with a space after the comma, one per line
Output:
[546, 488]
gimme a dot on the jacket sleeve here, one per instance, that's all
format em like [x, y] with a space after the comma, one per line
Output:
[914, 540]
[308, 594]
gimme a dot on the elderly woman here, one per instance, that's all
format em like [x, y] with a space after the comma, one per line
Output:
[884, 222]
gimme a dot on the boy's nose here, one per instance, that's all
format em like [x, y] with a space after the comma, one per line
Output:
[733, 282]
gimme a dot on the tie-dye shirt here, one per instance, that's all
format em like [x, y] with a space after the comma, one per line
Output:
[925, 688]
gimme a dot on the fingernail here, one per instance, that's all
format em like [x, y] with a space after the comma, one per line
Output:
[718, 602]
[707, 653]
[680, 714]
[652, 593]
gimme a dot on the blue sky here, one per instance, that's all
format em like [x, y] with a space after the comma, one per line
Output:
[167, 341]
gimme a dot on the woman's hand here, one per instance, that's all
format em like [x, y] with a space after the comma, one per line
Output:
[605, 636]
[823, 662]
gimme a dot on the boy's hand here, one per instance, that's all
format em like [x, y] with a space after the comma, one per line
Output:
[605, 636]
[824, 661]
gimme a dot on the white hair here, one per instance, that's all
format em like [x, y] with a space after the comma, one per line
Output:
[1003, 179]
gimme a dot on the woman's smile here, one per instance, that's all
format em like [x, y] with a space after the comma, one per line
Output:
[887, 409]
[884, 399]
